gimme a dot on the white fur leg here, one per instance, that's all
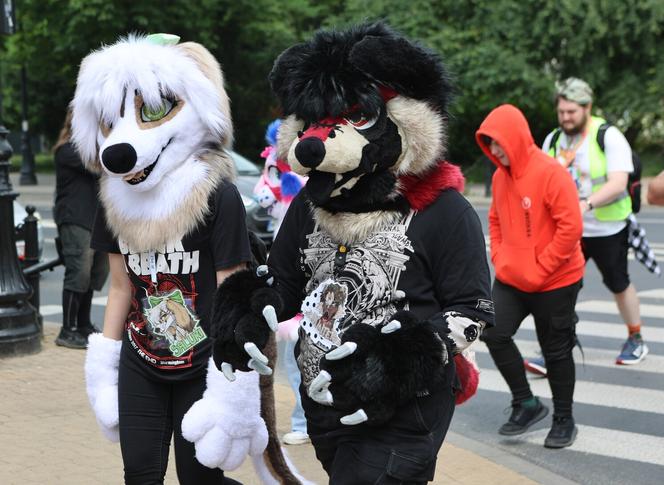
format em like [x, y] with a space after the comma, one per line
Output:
[101, 378]
[225, 424]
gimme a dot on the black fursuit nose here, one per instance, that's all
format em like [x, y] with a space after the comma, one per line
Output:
[310, 152]
[119, 158]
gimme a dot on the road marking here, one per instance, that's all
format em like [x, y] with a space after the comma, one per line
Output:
[609, 307]
[652, 364]
[587, 392]
[612, 443]
[607, 329]
[652, 294]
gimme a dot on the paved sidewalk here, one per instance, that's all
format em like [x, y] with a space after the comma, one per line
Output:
[50, 435]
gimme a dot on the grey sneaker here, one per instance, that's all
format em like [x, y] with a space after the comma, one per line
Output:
[633, 351]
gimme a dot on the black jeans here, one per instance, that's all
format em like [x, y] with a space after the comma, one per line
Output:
[403, 451]
[150, 412]
[555, 322]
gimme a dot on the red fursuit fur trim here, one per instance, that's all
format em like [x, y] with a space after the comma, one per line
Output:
[422, 190]
[469, 377]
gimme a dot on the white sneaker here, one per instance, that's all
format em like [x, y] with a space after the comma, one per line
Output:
[296, 438]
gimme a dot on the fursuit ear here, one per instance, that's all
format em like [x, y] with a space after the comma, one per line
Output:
[410, 69]
[283, 78]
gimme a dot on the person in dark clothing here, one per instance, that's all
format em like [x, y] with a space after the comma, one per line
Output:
[85, 269]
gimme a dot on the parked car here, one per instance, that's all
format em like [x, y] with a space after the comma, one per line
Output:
[19, 215]
[258, 220]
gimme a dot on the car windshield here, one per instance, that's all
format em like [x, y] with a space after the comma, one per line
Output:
[244, 166]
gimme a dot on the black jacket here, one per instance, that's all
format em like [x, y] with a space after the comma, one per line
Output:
[75, 189]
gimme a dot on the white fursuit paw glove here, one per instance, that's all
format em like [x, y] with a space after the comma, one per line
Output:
[225, 425]
[101, 379]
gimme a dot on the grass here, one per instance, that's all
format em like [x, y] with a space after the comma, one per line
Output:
[43, 163]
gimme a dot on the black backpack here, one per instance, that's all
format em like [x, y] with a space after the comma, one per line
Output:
[634, 179]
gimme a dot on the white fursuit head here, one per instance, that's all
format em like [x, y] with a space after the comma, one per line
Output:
[155, 119]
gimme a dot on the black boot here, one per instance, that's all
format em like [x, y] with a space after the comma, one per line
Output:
[69, 335]
[562, 434]
[85, 326]
[523, 417]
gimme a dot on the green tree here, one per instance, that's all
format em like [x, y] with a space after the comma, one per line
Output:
[497, 51]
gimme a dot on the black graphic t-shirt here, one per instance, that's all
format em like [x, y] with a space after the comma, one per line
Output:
[436, 257]
[167, 328]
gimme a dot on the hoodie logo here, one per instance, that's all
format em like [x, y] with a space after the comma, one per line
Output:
[526, 203]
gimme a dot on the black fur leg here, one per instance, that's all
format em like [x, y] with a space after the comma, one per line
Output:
[386, 370]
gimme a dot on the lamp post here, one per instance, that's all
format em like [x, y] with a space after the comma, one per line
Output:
[19, 329]
[28, 176]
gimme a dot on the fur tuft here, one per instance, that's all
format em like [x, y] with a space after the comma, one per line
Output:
[272, 131]
[290, 185]
[424, 189]
[469, 377]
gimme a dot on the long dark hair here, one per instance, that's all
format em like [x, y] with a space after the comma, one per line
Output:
[65, 132]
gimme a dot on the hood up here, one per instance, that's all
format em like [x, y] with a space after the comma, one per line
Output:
[508, 126]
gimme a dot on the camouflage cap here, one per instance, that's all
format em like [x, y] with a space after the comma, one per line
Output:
[575, 90]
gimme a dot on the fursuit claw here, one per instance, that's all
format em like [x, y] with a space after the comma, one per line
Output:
[342, 351]
[270, 315]
[227, 370]
[393, 326]
[318, 389]
[357, 417]
[259, 367]
[255, 354]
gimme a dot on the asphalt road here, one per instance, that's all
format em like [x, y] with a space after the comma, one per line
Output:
[619, 410]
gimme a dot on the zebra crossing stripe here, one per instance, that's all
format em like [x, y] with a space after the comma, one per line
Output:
[611, 443]
[652, 364]
[609, 307]
[587, 392]
[608, 329]
[658, 293]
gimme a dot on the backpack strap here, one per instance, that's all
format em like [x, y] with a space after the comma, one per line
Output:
[554, 140]
[601, 133]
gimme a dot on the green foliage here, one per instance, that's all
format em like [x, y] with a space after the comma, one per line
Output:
[498, 51]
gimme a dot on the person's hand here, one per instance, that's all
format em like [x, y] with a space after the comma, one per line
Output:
[101, 379]
[376, 370]
[243, 318]
[584, 206]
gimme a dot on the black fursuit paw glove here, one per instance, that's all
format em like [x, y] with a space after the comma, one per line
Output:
[376, 370]
[244, 313]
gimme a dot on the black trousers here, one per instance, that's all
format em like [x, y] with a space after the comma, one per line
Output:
[403, 451]
[150, 413]
[555, 323]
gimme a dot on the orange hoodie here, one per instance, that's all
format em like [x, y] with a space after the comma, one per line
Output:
[535, 223]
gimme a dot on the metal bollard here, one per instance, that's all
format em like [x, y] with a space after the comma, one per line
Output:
[31, 239]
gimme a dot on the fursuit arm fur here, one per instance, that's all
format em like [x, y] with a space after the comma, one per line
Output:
[157, 175]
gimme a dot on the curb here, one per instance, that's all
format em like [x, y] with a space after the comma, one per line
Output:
[508, 460]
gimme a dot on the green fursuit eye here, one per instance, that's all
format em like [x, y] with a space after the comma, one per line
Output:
[155, 114]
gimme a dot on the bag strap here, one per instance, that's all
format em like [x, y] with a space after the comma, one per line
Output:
[601, 133]
[554, 140]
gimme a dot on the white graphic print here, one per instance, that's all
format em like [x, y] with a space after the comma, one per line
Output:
[360, 290]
